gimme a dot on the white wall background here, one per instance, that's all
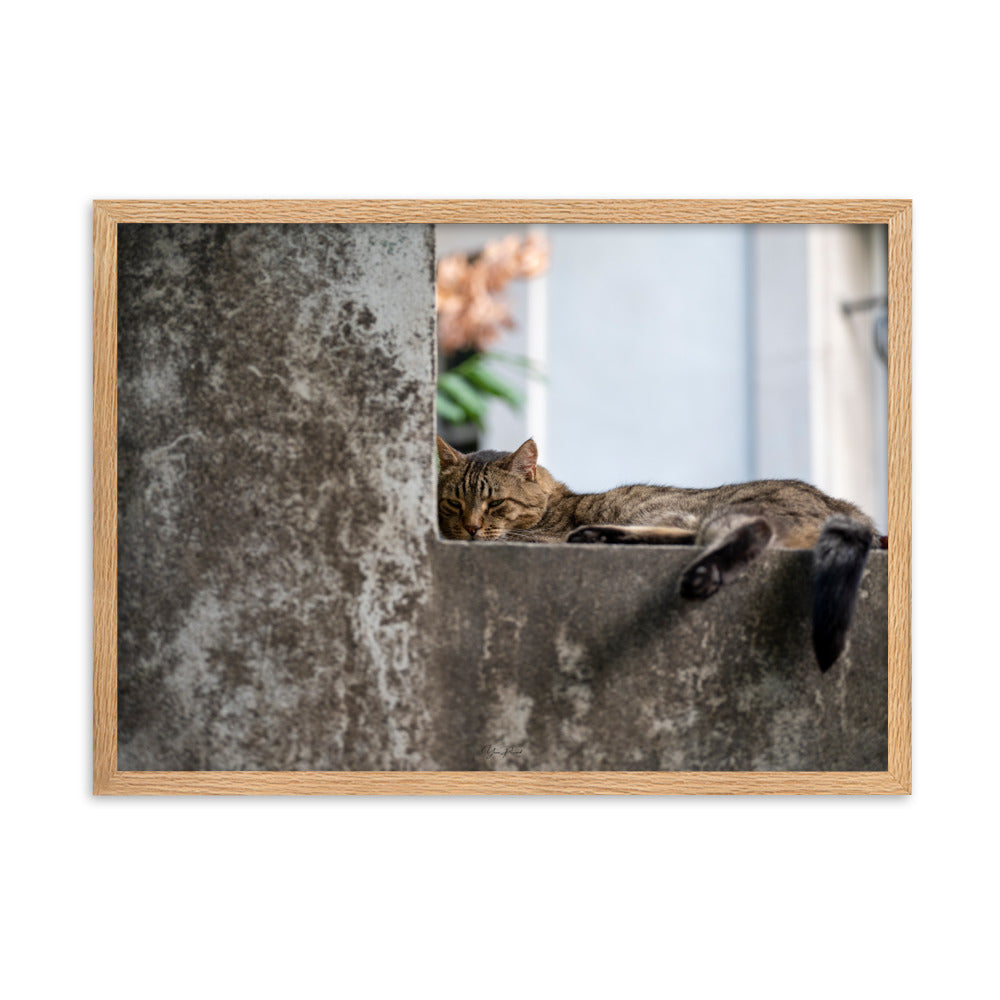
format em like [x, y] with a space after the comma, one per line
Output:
[648, 355]
[300, 898]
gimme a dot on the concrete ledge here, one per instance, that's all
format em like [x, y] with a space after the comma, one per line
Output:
[587, 659]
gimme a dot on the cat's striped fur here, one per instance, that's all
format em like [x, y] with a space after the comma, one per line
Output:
[492, 495]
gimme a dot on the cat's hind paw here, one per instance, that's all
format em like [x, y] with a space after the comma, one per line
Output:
[701, 580]
[599, 534]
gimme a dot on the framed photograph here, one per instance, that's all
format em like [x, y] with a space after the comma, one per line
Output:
[502, 497]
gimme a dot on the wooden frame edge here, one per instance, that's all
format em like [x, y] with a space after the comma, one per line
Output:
[723, 211]
[107, 780]
[900, 500]
[105, 500]
[501, 783]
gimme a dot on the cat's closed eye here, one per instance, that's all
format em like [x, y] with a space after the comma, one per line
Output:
[452, 506]
[496, 504]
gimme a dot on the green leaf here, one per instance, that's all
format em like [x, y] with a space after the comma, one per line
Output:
[482, 378]
[449, 411]
[529, 365]
[465, 395]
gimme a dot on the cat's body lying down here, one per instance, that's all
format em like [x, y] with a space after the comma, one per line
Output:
[490, 495]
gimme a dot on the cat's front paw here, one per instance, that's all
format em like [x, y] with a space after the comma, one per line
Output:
[700, 581]
[597, 534]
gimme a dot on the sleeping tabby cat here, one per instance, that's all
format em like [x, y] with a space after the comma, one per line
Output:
[491, 495]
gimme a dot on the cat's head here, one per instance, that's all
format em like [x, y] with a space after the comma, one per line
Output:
[489, 494]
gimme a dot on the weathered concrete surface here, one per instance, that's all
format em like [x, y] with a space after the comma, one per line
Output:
[586, 658]
[285, 603]
[274, 495]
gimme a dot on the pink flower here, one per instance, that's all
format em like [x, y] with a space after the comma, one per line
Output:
[471, 314]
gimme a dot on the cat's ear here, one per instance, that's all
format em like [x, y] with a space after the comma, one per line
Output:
[524, 461]
[448, 455]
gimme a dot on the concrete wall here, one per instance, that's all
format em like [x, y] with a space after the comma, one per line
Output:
[285, 602]
[275, 495]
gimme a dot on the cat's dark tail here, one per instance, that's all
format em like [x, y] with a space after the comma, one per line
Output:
[838, 561]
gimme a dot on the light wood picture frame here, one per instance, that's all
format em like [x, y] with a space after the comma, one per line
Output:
[108, 216]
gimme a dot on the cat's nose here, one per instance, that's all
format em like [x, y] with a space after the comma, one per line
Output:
[472, 529]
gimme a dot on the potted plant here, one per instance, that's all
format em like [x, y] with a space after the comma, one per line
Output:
[472, 315]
